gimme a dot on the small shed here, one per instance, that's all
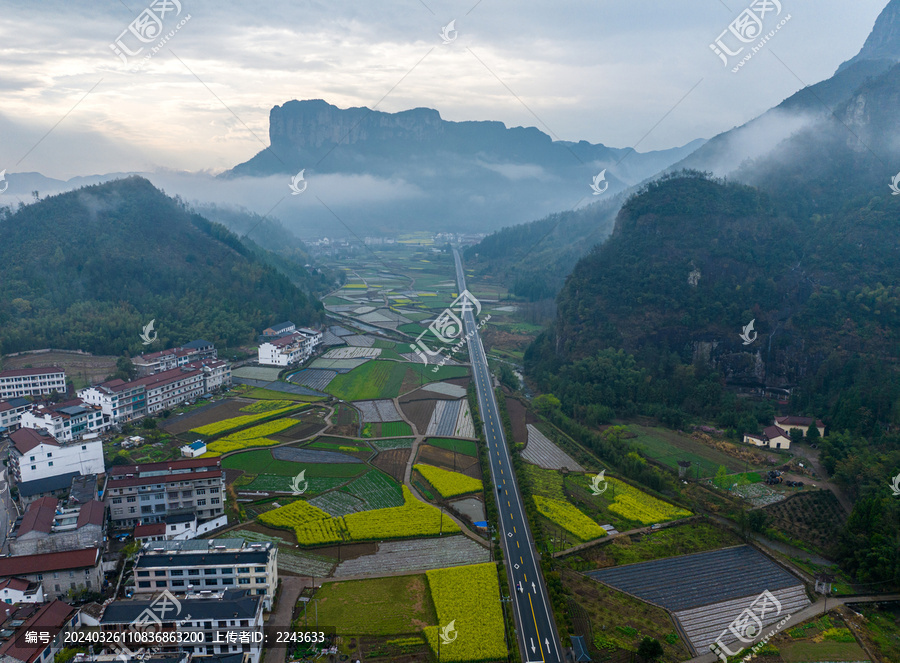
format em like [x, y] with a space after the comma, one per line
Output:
[579, 648]
[194, 449]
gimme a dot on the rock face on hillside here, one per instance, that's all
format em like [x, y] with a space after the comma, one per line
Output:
[884, 41]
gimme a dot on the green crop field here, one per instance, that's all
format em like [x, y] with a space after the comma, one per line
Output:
[282, 483]
[380, 606]
[376, 489]
[395, 428]
[383, 379]
[261, 461]
[465, 447]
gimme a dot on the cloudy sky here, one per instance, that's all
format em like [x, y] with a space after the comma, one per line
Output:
[623, 74]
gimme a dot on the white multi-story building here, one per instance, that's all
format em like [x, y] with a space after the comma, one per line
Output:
[166, 360]
[208, 565]
[120, 401]
[11, 412]
[123, 401]
[32, 382]
[36, 454]
[67, 421]
[215, 614]
[290, 348]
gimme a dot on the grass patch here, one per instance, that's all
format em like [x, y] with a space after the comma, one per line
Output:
[377, 607]
[395, 429]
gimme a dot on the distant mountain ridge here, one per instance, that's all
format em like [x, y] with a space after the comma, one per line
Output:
[884, 41]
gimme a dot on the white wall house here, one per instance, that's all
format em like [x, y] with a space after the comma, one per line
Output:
[32, 382]
[282, 351]
[17, 590]
[67, 421]
[119, 401]
[11, 412]
[35, 454]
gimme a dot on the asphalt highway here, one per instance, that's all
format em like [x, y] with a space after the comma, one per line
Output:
[537, 635]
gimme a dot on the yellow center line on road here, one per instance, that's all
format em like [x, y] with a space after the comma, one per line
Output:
[536, 632]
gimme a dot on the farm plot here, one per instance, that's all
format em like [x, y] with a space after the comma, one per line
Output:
[228, 425]
[395, 428]
[443, 420]
[261, 461]
[446, 389]
[274, 483]
[543, 453]
[568, 517]
[339, 331]
[378, 411]
[465, 447]
[759, 494]
[359, 341]
[376, 490]
[257, 373]
[394, 443]
[668, 447]
[415, 555]
[254, 436]
[208, 415]
[302, 563]
[265, 406]
[338, 503]
[337, 365]
[448, 460]
[393, 462]
[252, 536]
[354, 352]
[418, 411]
[470, 596]
[377, 606]
[313, 378]
[447, 483]
[295, 455]
[811, 518]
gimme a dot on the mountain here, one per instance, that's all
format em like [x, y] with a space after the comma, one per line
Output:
[691, 262]
[89, 268]
[415, 170]
[884, 41]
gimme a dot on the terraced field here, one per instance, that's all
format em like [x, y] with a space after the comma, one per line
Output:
[304, 563]
[542, 452]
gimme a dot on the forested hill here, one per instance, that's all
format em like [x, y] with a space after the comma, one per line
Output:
[691, 262]
[89, 268]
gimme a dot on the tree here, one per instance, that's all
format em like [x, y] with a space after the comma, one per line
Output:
[721, 479]
[758, 519]
[650, 649]
[796, 435]
[812, 435]
[545, 403]
[125, 369]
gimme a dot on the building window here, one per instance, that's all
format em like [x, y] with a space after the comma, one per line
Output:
[145, 498]
[56, 587]
[260, 569]
[87, 583]
[131, 509]
[117, 500]
[84, 447]
[31, 458]
[199, 502]
[34, 467]
[177, 572]
[159, 574]
[49, 454]
[160, 583]
[213, 490]
[130, 499]
[193, 572]
[214, 500]
[178, 583]
[244, 570]
[243, 581]
[144, 583]
[50, 463]
[211, 581]
[201, 491]
[143, 574]
[209, 572]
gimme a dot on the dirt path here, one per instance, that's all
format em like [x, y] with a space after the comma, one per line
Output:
[280, 618]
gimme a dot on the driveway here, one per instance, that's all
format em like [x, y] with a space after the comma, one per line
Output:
[280, 619]
[812, 457]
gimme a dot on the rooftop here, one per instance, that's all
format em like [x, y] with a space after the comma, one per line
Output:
[42, 563]
[39, 516]
[50, 617]
[26, 439]
[163, 466]
[22, 372]
[232, 604]
[48, 485]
